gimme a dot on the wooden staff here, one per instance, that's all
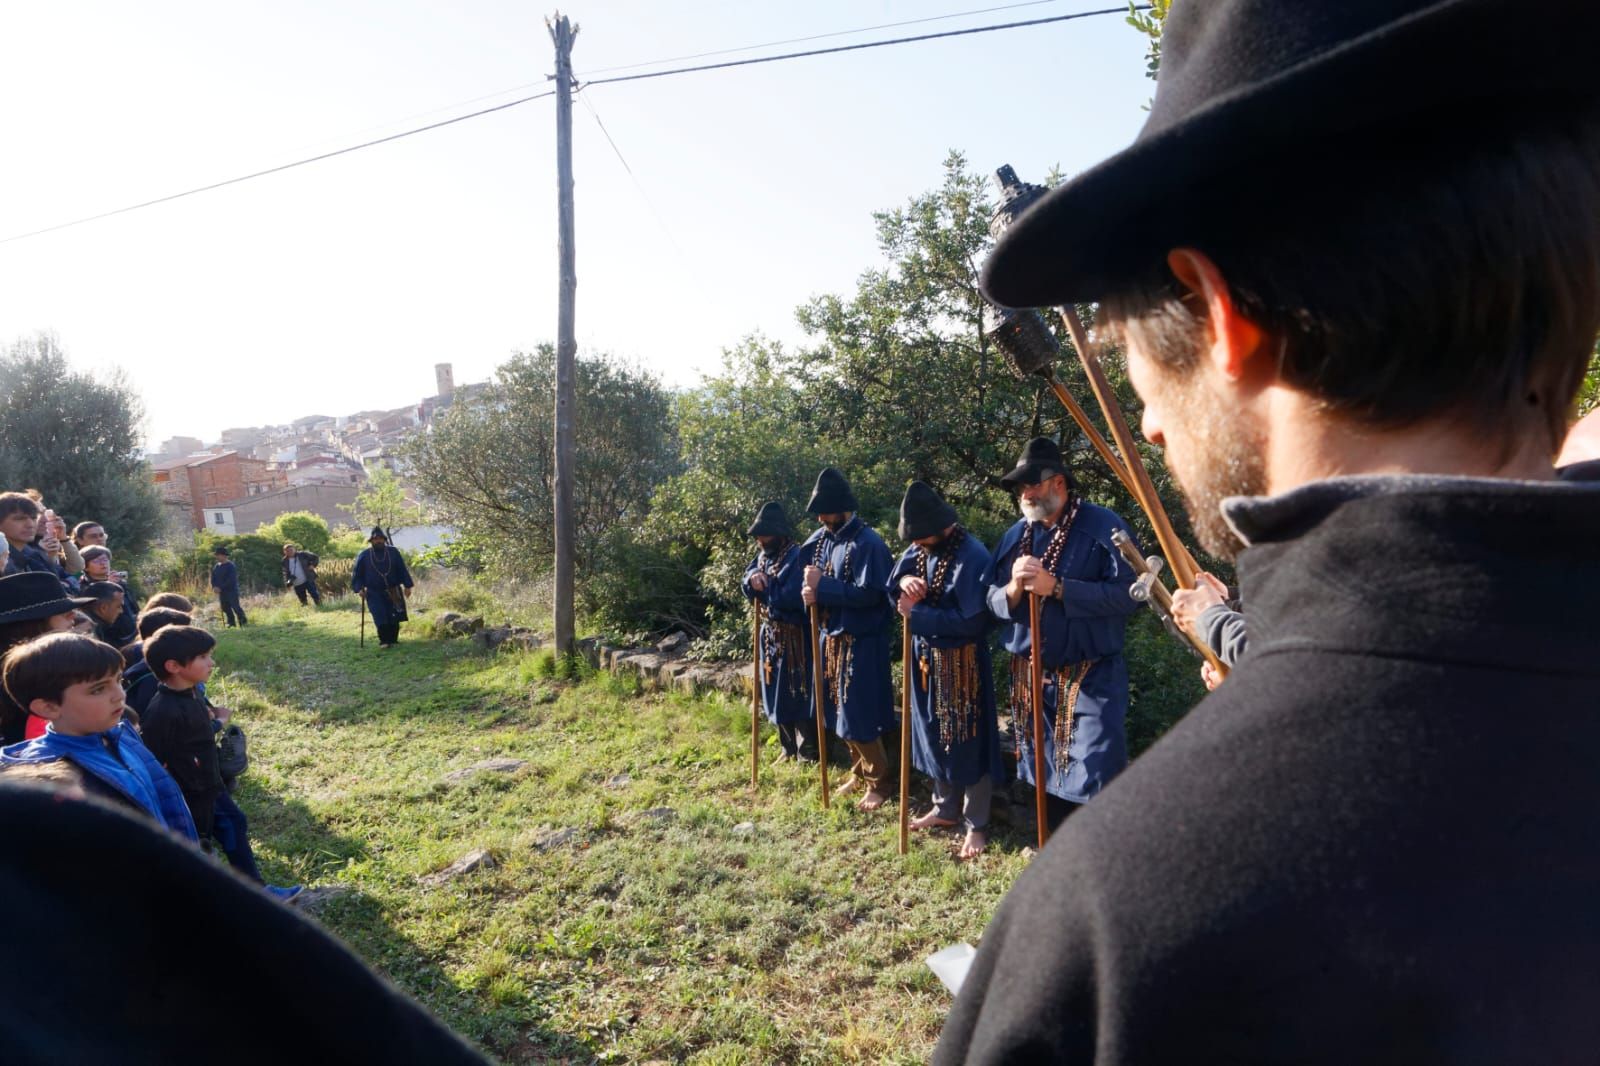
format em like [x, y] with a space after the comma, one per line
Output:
[755, 691]
[1036, 681]
[363, 618]
[816, 697]
[905, 740]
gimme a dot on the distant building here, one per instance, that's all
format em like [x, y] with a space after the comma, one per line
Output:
[214, 480]
[177, 447]
[326, 501]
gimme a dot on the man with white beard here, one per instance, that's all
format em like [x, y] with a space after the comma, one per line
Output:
[1061, 551]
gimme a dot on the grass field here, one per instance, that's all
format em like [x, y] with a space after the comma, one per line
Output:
[723, 926]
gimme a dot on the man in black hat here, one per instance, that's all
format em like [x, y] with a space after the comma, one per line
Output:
[380, 577]
[1355, 260]
[300, 573]
[847, 573]
[773, 581]
[938, 587]
[1061, 551]
[225, 580]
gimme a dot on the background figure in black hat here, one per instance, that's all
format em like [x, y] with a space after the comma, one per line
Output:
[938, 585]
[381, 578]
[1358, 286]
[1062, 550]
[848, 569]
[225, 579]
[773, 580]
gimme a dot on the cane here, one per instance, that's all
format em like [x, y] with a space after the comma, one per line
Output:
[816, 693]
[1036, 681]
[363, 618]
[755, 692]
[905, 739]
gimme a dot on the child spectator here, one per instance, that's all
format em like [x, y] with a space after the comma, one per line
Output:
[19, 524]
[138, 680]
[111, 622]
[176, 600]
[75, 684]
[180, 727]
[31, 605]
[225, 579]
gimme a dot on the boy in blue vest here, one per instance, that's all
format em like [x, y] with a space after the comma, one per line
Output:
[74, 682]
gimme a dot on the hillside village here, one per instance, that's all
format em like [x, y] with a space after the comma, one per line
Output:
[252, 474]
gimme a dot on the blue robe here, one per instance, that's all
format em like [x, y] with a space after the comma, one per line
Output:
[785, 638]
[959, 620]
[855, 621]
[375, 577]
[1084, 629]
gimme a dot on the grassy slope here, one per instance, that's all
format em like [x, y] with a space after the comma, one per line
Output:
[676, 939]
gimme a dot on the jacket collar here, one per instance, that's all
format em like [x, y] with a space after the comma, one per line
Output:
[1470, 571]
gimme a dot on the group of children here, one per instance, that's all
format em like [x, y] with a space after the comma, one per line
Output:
[119, 712]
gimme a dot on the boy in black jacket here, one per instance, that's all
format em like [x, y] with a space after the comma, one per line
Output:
[179, 727]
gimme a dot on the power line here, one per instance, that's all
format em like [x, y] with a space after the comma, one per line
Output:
[859, 47]
[823, 36]
[660, 221]
[273, 170]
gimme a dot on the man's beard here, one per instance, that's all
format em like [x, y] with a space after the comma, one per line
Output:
[836, 524]
[1213, 454]
[1043, 508]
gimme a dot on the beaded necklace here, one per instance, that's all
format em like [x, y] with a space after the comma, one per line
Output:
[838, 659]
[950, 676]
[780, 641]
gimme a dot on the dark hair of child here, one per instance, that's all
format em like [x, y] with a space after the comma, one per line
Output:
[102, 590]
[43, 669]
[17, 503]
[178, 644]
[176, 600]
[153, 618]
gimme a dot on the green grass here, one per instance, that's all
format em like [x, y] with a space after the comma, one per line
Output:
[675, 939]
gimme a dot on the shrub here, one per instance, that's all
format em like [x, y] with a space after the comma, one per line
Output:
[302, 528]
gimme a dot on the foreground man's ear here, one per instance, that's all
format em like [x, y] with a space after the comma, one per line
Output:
[1235, 346]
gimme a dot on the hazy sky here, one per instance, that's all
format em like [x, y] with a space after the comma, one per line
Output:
[337, 286]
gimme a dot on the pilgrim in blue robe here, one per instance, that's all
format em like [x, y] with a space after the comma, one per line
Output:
[858, 701]
[955, 738]
[785, 636]
[374, 574]
[1082, 652]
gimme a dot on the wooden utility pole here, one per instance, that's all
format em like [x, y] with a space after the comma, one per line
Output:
[562, 32]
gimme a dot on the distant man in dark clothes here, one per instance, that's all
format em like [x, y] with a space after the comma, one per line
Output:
[380, 578]
[847, 569]
[1354, 260]
[938, 587]
[294, 992]
[300, 573]
[225, 579]
[773, 581]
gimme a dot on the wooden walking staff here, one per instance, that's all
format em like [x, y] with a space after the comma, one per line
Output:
[905, 739]
[1036, 685]
[363, 618]
[816, 698]
[755, 692]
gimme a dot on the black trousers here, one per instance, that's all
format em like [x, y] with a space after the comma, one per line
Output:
[389, 634]
[799, 738]
[230, 607]
[308, 587]
[1057, 810]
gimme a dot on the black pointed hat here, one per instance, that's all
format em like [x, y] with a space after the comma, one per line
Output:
[832, 494]
[377, 531]
[1253, 84]
[771, 521]
[923, 513]
[1039, 460]
[30, 596]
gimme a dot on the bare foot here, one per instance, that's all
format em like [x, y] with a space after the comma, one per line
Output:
[847, 786]
[931, 820]
[973, 846]
[872, 800]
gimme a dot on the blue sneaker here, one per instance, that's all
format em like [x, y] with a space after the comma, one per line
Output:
[285, 893]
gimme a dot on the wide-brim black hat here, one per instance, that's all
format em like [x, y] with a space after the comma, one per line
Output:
[924, 513]
[771, 521]
[1040, 459]
[832, 494]
[1286, 86]
[29, 597]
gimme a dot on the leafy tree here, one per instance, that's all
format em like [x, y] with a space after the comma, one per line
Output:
[382, 502]
[76, 439]
[1152, 22]
[487, 466]
[1589, 392]
[308, 531]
